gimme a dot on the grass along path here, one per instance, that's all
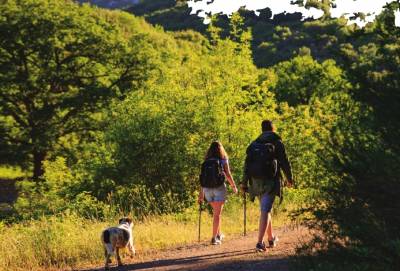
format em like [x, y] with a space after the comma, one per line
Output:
[236, 253]
[68, 242]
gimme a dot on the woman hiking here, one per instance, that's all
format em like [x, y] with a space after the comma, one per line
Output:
[214, 172]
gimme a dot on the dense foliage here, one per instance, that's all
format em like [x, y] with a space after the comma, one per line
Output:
[119, 113]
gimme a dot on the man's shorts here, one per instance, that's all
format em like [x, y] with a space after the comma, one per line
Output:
[266, 202]
[217, 194]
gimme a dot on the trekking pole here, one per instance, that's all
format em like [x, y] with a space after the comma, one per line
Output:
[200, 210]
[244, 213]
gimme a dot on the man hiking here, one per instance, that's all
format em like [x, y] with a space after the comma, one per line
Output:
[262, 177]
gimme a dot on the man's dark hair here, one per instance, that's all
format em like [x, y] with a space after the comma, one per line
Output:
[267, 126]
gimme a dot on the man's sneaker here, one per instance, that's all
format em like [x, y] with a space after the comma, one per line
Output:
[220, 236]
[272, 243]
[261, 247]
[215, 241]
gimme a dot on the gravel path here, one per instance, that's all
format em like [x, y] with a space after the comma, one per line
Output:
[236, 253]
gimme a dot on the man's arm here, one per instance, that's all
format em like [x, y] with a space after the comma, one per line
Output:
[284, 161]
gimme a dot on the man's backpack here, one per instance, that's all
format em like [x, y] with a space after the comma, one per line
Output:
[261, 160]
[212, 173]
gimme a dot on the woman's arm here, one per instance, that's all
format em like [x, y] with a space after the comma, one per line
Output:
[229, 177]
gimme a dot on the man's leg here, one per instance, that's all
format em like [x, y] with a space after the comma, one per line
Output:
[262, 226]
[266, 202]
[269, 227]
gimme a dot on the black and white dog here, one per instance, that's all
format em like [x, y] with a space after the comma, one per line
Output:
[115, 238]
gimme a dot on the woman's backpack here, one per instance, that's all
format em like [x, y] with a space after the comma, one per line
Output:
[212, 173]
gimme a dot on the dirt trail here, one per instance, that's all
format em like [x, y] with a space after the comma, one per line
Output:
[236, 253]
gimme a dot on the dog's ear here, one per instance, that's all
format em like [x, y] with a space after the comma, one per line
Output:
[129, 220]
[120, 220]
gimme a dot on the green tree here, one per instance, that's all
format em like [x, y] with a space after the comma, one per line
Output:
[303, 78]
[59, 63]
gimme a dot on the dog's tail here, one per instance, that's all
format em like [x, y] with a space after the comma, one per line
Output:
[107, 242]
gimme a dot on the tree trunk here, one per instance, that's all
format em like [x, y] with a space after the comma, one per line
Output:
[38, 158]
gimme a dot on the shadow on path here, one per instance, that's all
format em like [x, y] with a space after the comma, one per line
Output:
[264, 264]
[213, 260]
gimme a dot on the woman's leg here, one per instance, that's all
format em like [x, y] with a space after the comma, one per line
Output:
[217, 209]
[220, 216]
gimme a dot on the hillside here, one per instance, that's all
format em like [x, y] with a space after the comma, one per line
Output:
[172, 15]
[112, 4]
[284, 33]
